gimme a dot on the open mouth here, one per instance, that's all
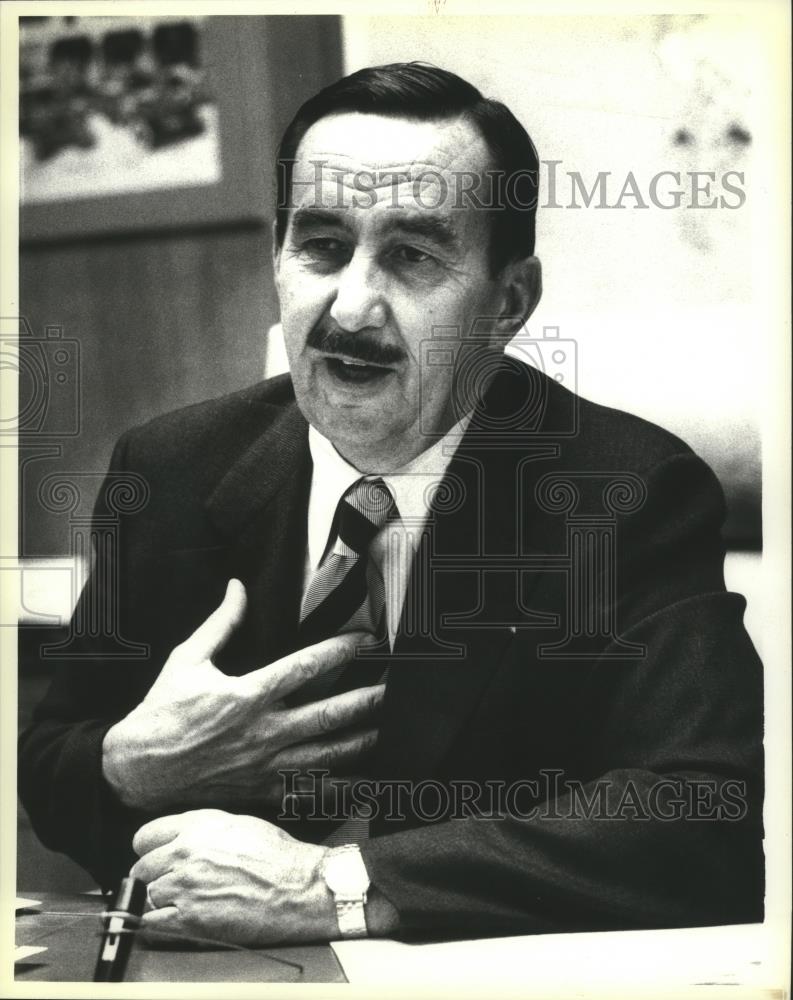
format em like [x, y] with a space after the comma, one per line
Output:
[348, 369]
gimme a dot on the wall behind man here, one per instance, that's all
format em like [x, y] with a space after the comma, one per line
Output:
[659, 301]
[168, 317]
[163, 319]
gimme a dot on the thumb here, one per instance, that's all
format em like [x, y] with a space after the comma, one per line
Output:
[213, 633]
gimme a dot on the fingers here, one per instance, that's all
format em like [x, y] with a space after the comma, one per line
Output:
[165, 890]
[286, 675]
[342, 711]
[165, 921]
[337, 756]
[153, 864]
[156, 834]
[212, 634]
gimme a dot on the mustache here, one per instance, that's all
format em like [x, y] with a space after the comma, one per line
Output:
[361, 346]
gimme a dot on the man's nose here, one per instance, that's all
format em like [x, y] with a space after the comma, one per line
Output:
[360, 301]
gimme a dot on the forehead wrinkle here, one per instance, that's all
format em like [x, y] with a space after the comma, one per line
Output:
[344, 169]
[332, 160]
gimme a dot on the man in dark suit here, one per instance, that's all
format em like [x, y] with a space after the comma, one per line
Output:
[556, 718]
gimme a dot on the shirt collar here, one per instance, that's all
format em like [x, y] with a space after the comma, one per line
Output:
[412, 486]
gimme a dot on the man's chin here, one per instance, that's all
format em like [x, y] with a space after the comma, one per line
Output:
[361, 433]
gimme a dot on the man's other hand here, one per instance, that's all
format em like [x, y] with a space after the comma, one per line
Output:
[202, 738]
[219, 876]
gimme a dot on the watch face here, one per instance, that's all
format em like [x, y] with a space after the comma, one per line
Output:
[345, 874]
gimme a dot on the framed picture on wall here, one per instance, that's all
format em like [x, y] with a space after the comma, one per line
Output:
[132, 123]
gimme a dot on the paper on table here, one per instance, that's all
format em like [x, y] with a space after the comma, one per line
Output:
[25, 951]
[607, 962]
[24, 904]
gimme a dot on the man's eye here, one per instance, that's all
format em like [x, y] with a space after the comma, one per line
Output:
[324, 245]
[412, 255]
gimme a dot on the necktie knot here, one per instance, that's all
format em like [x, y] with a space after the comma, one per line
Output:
[362, 512]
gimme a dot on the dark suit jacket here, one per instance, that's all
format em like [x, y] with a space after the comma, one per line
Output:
[651, 678]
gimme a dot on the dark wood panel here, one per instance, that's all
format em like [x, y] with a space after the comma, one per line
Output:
[161, 322]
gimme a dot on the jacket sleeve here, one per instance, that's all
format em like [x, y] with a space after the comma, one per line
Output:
[660, 822]
[71, 807]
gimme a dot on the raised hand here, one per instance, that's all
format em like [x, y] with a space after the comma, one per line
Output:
[202, 738]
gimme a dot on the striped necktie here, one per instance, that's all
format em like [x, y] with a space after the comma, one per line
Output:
[347, 592]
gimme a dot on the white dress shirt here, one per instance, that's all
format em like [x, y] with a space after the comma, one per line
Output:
[412, 487]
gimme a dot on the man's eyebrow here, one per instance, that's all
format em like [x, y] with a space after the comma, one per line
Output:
[434, 227]
[306, 219]
[431, 226]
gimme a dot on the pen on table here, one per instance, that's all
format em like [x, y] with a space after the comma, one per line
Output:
[121, 924]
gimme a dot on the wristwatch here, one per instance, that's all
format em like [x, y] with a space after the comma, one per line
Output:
[346, 876]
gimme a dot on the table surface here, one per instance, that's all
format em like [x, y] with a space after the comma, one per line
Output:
[682, 961]
[69, 925]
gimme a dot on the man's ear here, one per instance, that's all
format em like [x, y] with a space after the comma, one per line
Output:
[521, 282]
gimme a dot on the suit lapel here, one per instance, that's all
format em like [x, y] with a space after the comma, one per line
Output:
[430, 692]
[260, 506]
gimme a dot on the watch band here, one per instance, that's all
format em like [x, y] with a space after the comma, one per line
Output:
[351, 918]
[347, 879]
